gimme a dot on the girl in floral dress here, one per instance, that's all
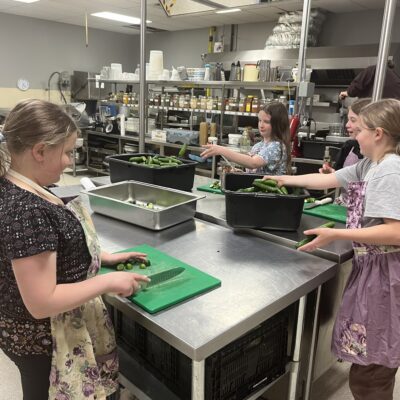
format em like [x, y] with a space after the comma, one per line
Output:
[272, 154]
[367, 328]
[53, 323]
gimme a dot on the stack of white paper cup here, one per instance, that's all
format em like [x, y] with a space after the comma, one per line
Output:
[156, 64]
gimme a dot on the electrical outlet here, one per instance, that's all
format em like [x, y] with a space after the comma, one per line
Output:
[65, 79]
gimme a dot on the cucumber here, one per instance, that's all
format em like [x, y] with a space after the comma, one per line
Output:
[136, 159]
[260, 185]
[247, 190]
[310, 238]
[182, 150]
[284, 190]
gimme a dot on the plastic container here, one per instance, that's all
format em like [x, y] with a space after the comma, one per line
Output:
[250, 362]
[233, 138]
[180, 177]
[244, 366]
[260, 210]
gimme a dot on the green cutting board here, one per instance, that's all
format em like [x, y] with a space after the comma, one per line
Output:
[206, 188]
[189, 283]
[332, 212]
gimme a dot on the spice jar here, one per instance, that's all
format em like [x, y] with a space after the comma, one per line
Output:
[193, 102]
[209, 105]
[203, 103]
[254, 105]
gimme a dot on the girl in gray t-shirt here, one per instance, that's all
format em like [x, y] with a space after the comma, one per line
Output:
[367, 328]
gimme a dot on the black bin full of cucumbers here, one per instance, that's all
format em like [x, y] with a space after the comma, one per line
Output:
[168, 171]
[251, 203]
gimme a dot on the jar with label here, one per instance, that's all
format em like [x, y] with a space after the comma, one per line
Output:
[175, 101]
[219, 103]
[125, 99]
[186, 103]
[209, 103]
[249, 101]
[193, 102]
[255, 105]
[241, 105]
[203, 103]
[215, 103]
[156, 100]
[181, 102]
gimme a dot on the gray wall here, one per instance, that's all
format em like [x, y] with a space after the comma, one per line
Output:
[33, 49]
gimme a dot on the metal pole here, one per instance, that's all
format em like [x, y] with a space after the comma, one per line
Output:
[384, 45]
[142, 83]
[303, 39]
[301, 64]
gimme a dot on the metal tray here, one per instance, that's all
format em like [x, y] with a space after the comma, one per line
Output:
[116, 201]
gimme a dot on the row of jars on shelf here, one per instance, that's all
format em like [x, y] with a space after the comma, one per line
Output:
[251, 104]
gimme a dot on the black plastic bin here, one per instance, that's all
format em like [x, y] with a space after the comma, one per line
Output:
[180, 177]
[250, 362]
[261, 210]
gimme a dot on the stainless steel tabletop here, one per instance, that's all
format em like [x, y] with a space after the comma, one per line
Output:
[212, 209]
[259, 278]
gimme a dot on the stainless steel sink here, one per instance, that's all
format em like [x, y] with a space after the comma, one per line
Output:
[117, 200]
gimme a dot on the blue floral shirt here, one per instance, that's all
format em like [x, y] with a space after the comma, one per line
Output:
[274, 154]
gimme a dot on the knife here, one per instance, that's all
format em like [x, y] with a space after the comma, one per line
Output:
[319, 203]
[161, 277]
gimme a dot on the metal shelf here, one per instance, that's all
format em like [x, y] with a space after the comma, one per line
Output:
[210, 84]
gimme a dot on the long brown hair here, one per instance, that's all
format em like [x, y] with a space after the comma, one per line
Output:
[280, 128]
[30, 122]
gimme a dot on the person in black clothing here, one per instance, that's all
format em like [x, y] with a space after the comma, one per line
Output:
[363, 84]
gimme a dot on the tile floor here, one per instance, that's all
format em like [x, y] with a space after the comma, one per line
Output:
[331, 386]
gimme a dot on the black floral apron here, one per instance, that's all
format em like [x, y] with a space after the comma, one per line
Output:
[84, 360]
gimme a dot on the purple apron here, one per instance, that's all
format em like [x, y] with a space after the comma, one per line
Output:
[351, 159]
[367, 327]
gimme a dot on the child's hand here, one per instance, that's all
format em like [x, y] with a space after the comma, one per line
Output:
[124, 283]
[326, 169]
[280, 179]
[116, 258]
[324, 236]
[211, 150]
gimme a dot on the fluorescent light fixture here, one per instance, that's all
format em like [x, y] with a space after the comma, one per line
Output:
[118, 17]
[228, 10]
[27, 1]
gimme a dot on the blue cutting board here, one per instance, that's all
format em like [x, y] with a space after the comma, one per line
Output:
[189, 283]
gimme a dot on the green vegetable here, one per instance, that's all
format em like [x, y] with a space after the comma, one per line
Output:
[182, 150]
[120, 267]
[310, 238]
[142, 266]
[128, 266]
[271, 182]
[247, 190]
[136, 159]
[284, 190]
[310, 200]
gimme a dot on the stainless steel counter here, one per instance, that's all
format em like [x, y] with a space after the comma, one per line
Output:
[212, 209]
[258, 279]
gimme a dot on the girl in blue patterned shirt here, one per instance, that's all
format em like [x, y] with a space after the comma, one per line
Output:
[272, 155]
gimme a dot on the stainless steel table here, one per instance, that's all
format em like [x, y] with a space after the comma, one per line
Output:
[212, 209]
[258, 280]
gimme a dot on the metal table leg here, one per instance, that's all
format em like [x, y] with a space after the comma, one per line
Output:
[313, 347]
[198, 380]
[294, 373]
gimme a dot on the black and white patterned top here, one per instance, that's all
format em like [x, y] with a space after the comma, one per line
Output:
[31, 225]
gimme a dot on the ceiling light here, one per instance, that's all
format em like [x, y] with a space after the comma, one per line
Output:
[27, 1]
[118, 17]
[228, 10]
